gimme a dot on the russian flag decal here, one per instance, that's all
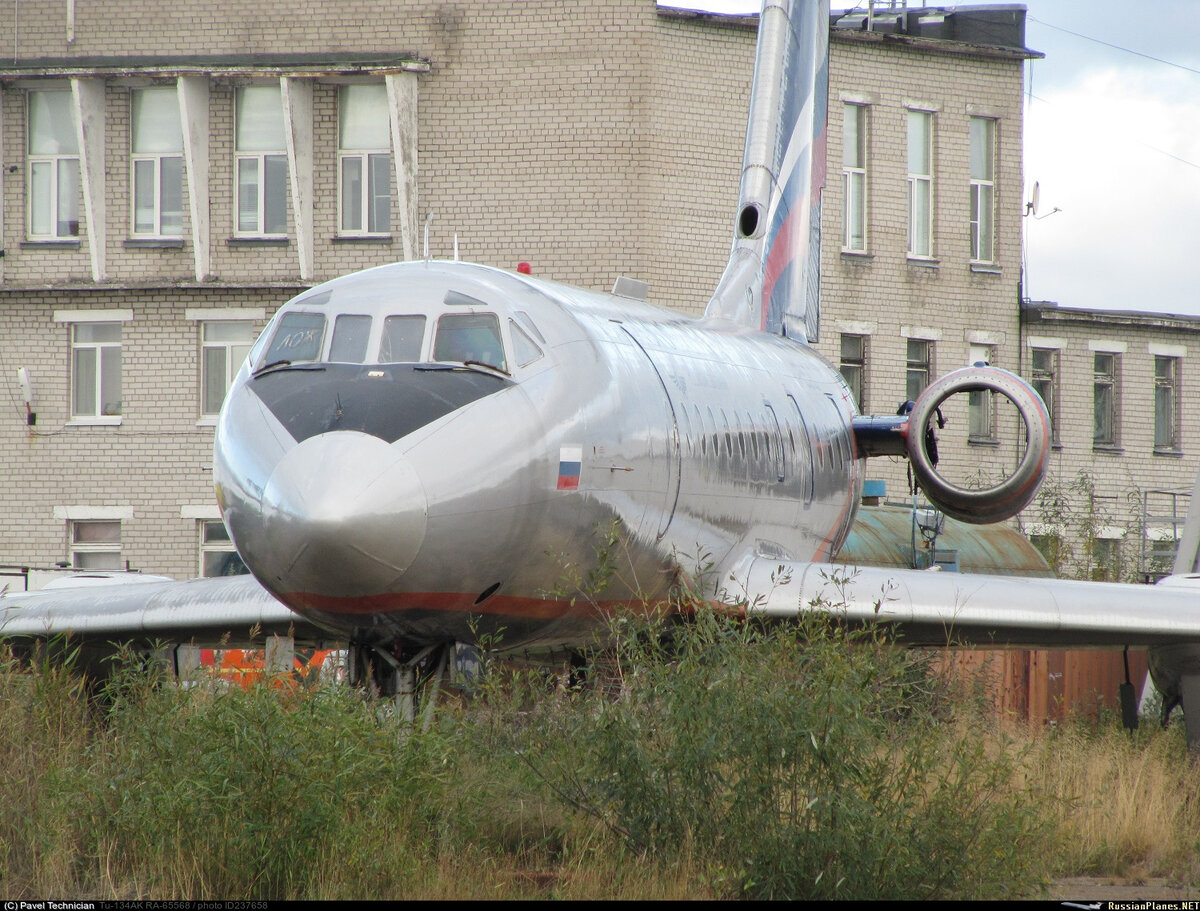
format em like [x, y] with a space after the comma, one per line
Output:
[570, 460]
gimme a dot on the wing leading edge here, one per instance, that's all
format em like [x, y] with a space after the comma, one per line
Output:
[938, 608]
[230, 611]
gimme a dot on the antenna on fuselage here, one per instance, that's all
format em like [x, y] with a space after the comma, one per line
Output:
[428, 219]
[456, 246]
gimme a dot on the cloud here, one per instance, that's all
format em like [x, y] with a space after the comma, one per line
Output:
[1106, 150]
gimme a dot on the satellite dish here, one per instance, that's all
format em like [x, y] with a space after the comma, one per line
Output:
[1031, 207]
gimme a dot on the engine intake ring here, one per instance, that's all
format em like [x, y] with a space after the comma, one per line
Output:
[986, 504]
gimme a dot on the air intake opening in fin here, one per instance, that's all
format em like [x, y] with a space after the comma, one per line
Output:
[748, 221]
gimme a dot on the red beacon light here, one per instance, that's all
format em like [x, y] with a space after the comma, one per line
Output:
[525, 268]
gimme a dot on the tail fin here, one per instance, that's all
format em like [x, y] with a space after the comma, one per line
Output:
[772, 281]
[1187, 555]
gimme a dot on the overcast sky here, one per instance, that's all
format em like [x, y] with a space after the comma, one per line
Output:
[1113, 139]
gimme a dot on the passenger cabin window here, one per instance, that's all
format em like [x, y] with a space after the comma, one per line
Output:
[298, 338]
[350, 335]
[470, 337]
[402, 337]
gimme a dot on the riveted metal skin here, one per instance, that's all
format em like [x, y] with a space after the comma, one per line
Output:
[429, 501]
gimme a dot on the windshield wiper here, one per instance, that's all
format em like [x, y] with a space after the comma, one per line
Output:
[276, 366]
[488, 366]
[473, 366]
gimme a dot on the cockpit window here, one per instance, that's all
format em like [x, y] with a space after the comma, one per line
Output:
[350, 334]
[525, 350]
[402, 337]
[529, 324]
[298, 338]
[473, 337]
[314, 298]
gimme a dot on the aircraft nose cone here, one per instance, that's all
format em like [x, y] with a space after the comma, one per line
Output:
[342, 514]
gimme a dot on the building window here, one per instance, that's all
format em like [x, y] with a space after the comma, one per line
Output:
[53, 167]
[1106, 559]
[982, 132]
[1053, 548]
[1045, 384]
[920, 184]
[364, 160]
[95, 370]
[1104, 399]
[854, 178]
[96, 545]
[918, 367]
[854, 366]
[224, 345]
[261, 165]
[217, 554]
[1166, 403]
[981, 403]
[157, 162]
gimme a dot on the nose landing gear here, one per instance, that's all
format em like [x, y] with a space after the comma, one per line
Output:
[412, 680]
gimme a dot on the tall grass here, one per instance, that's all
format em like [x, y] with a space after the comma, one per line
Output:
[45, 722]
[711, 759]
[1124, 803]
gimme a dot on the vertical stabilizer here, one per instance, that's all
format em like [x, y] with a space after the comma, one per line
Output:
[1187, 555]
[772, 281]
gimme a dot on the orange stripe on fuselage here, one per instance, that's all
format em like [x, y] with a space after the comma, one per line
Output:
[456, 602]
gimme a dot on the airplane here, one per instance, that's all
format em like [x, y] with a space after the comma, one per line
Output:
[431, 454]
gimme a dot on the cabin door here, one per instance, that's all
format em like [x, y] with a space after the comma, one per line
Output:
[664, 442]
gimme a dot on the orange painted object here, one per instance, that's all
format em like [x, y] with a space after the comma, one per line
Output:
[246, 667]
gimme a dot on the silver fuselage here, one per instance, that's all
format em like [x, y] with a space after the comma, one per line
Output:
[430, 500]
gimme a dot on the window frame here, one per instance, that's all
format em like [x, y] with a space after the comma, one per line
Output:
[981, 411]
[921, 365]
[216, 546]
[232, 363]
[1046, 378]
[1106, 379]
[1105, 556]
[260, 158]
[919, 186]
[84, 549]
[98, 416]
[1167, 382]
[856, 364]
[156, 160]
[54, 161]
[854, 176]
[370, 223]
[982, 192]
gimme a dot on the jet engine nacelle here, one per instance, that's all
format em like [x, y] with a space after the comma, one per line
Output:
[984, 504]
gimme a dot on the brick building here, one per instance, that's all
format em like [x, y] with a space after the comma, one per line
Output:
[172, 172]
[921, 273]
[1121, 388]
[921, 257]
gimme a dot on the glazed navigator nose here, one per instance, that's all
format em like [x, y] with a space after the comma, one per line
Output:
[343, 513]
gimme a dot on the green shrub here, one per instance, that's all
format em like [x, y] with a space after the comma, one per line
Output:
[800, 761]
[216, 791]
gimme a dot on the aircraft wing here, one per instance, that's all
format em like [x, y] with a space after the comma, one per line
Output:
[228, 611]
[939, 608]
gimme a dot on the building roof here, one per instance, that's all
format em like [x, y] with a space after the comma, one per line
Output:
[997, 28]
[1050, 312]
